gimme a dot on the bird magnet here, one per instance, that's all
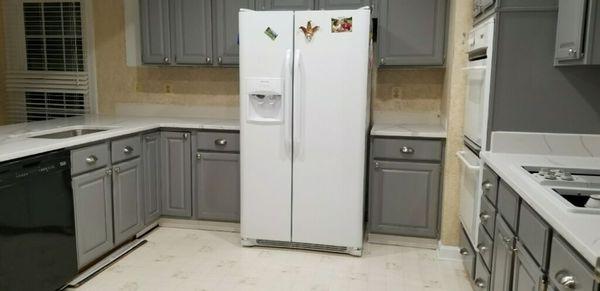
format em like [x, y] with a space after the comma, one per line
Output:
[341, 24]
[309, 30]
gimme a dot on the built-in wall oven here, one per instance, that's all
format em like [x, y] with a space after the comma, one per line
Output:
[477, 99]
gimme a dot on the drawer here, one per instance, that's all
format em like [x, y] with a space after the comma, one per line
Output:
[482, 277]
[218, 141]
[89, 158]
[566, 264]
[489, 185]
[126, 148]
[487, 215]
[534, 234]
[407, 149]
[467, 253]
[508, 204]
[484, 247]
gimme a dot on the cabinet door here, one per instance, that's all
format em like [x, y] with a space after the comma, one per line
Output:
[527, 275]
[176, 174]
[156, 33]
[127, 199]
[412, 32]
[570, 29]
[342, 4]
[227, 45]
[502, 260]
[286, 4]
[192, 41]
[93, 215]
[217, 186]
[151, 178]
[404, 198]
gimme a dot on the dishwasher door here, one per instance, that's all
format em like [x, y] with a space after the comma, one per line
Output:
[37, 225]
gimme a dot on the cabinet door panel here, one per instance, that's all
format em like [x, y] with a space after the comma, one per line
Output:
[218, 186]
[412, 32]
[287, 4]
[502, 259]
[176, 174]
[227, 31]
[156, 34]
[192, 31]
[570, 29]
[404, 198]
[527, 275]
[151, 180]
[343, 4]
[93, 215]
[127, 199]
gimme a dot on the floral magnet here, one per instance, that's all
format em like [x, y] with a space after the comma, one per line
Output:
[341, 24]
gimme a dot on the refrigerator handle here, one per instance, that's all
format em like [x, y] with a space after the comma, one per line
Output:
[297, 106]
[287, 102]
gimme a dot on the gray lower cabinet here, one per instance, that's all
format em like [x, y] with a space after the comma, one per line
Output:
[128, 200]
[343, 4]
[467, 253]
[151, 176]
[92, 197]
[286, 4]
[404, 198]
[412, 32]
[502, 260]
[156, 31]
[527, 275]
[217, 186]
[227, 44]
[176, 184]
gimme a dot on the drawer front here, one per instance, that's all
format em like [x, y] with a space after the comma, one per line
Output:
[567, 268]
[534, 234]
[467, 254]
[508, 205]
[407, 149]
[89, 158]
[489, 185]
[126, 148]
[485, 247]
[482, 276]
[218, 141]
[487, 215]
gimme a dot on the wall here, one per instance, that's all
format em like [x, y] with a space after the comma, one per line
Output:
[3, 96]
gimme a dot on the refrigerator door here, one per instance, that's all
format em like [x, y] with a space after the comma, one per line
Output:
[266, 43]
[330, 112]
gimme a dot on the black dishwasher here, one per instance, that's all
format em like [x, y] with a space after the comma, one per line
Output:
[37, 225]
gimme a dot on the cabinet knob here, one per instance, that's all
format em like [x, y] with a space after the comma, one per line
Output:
[463, 252]
[108, 172]
[484, 216]
[382, 61]
[91, 160]
[166, 60]
[407, 150]
[487, 185]
[482, 248]
[186, 135]
[377, 165]
[127, 150]
[208, 60]
[198, 156]
[572, 51]
[221, 142]
[480, 283]
[566, 280]
[220, 60]
[117, 170]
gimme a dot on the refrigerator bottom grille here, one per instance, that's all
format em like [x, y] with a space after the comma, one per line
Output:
[306, 246]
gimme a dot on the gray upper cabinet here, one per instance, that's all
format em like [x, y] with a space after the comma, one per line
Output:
[578, 33]
[286, 4]
[502, 260]
[404, 198]
[217, 186]
[412, 32]
[176, 174]
[151, 176]
[342, 4]
[93, 215]
[128, 200]
[192, 31]
[156, 32]
[227, 35]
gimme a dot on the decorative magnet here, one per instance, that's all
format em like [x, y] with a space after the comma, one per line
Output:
[270, 33]
[309, 30]
[341, 24]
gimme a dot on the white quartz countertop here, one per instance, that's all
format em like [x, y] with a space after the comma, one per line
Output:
[581, 230]
[16, 140]
[409, 130]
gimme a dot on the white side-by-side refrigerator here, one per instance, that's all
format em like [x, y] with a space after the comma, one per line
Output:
[304, 114]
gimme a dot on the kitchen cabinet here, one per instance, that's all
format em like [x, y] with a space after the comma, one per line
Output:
[176, 173]
[217, 186]
[92, 195]
[227, 31]
[467, 254]
[527, 275]
[342, 4]
[286, 4]
[567, 270]
[503, 255]
[156, 31]
[151, 176]
[128, 201]
[412, 32]
[578, 33]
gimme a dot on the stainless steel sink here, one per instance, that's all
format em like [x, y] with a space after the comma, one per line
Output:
[69, 133]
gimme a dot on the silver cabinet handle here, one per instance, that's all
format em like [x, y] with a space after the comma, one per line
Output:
[407, 150]
[566, 280]
[480, 283]
[91, 160]
[221, 142]
[487, 185]
[108, 172]
[166, 60]
[484, 216]
[220, 60]
[482, 248]
[208, 60]
[463, 252]
[117, 170]
[127, 150]
[198, 156]
[186, 135]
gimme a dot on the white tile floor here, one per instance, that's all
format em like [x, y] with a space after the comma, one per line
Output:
[183, 259]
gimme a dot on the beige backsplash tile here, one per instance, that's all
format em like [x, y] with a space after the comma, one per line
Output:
[418, 90]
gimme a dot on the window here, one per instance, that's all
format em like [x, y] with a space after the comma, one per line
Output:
[48, 69]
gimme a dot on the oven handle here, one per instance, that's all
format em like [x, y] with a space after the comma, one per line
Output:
[461, 156]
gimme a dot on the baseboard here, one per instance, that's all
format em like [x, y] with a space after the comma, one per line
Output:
[199, 224]
[147, 229]
[405, 241]
[450, 253]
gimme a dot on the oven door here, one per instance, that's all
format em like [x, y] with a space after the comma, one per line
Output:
[470, 173]
[474, 103]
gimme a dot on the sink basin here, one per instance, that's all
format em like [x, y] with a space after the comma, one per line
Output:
[69, 133]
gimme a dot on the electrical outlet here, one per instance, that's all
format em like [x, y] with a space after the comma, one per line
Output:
[168, 88]
[396, 92]
[138, 87]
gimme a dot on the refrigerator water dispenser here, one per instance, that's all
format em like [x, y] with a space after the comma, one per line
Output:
[265, 100]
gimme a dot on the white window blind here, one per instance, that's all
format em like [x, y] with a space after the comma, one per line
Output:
[48, 72]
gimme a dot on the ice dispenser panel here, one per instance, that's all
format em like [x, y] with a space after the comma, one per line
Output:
[265, 100]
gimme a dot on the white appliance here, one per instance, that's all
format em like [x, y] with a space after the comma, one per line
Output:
[304, 119]
[477, 100]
